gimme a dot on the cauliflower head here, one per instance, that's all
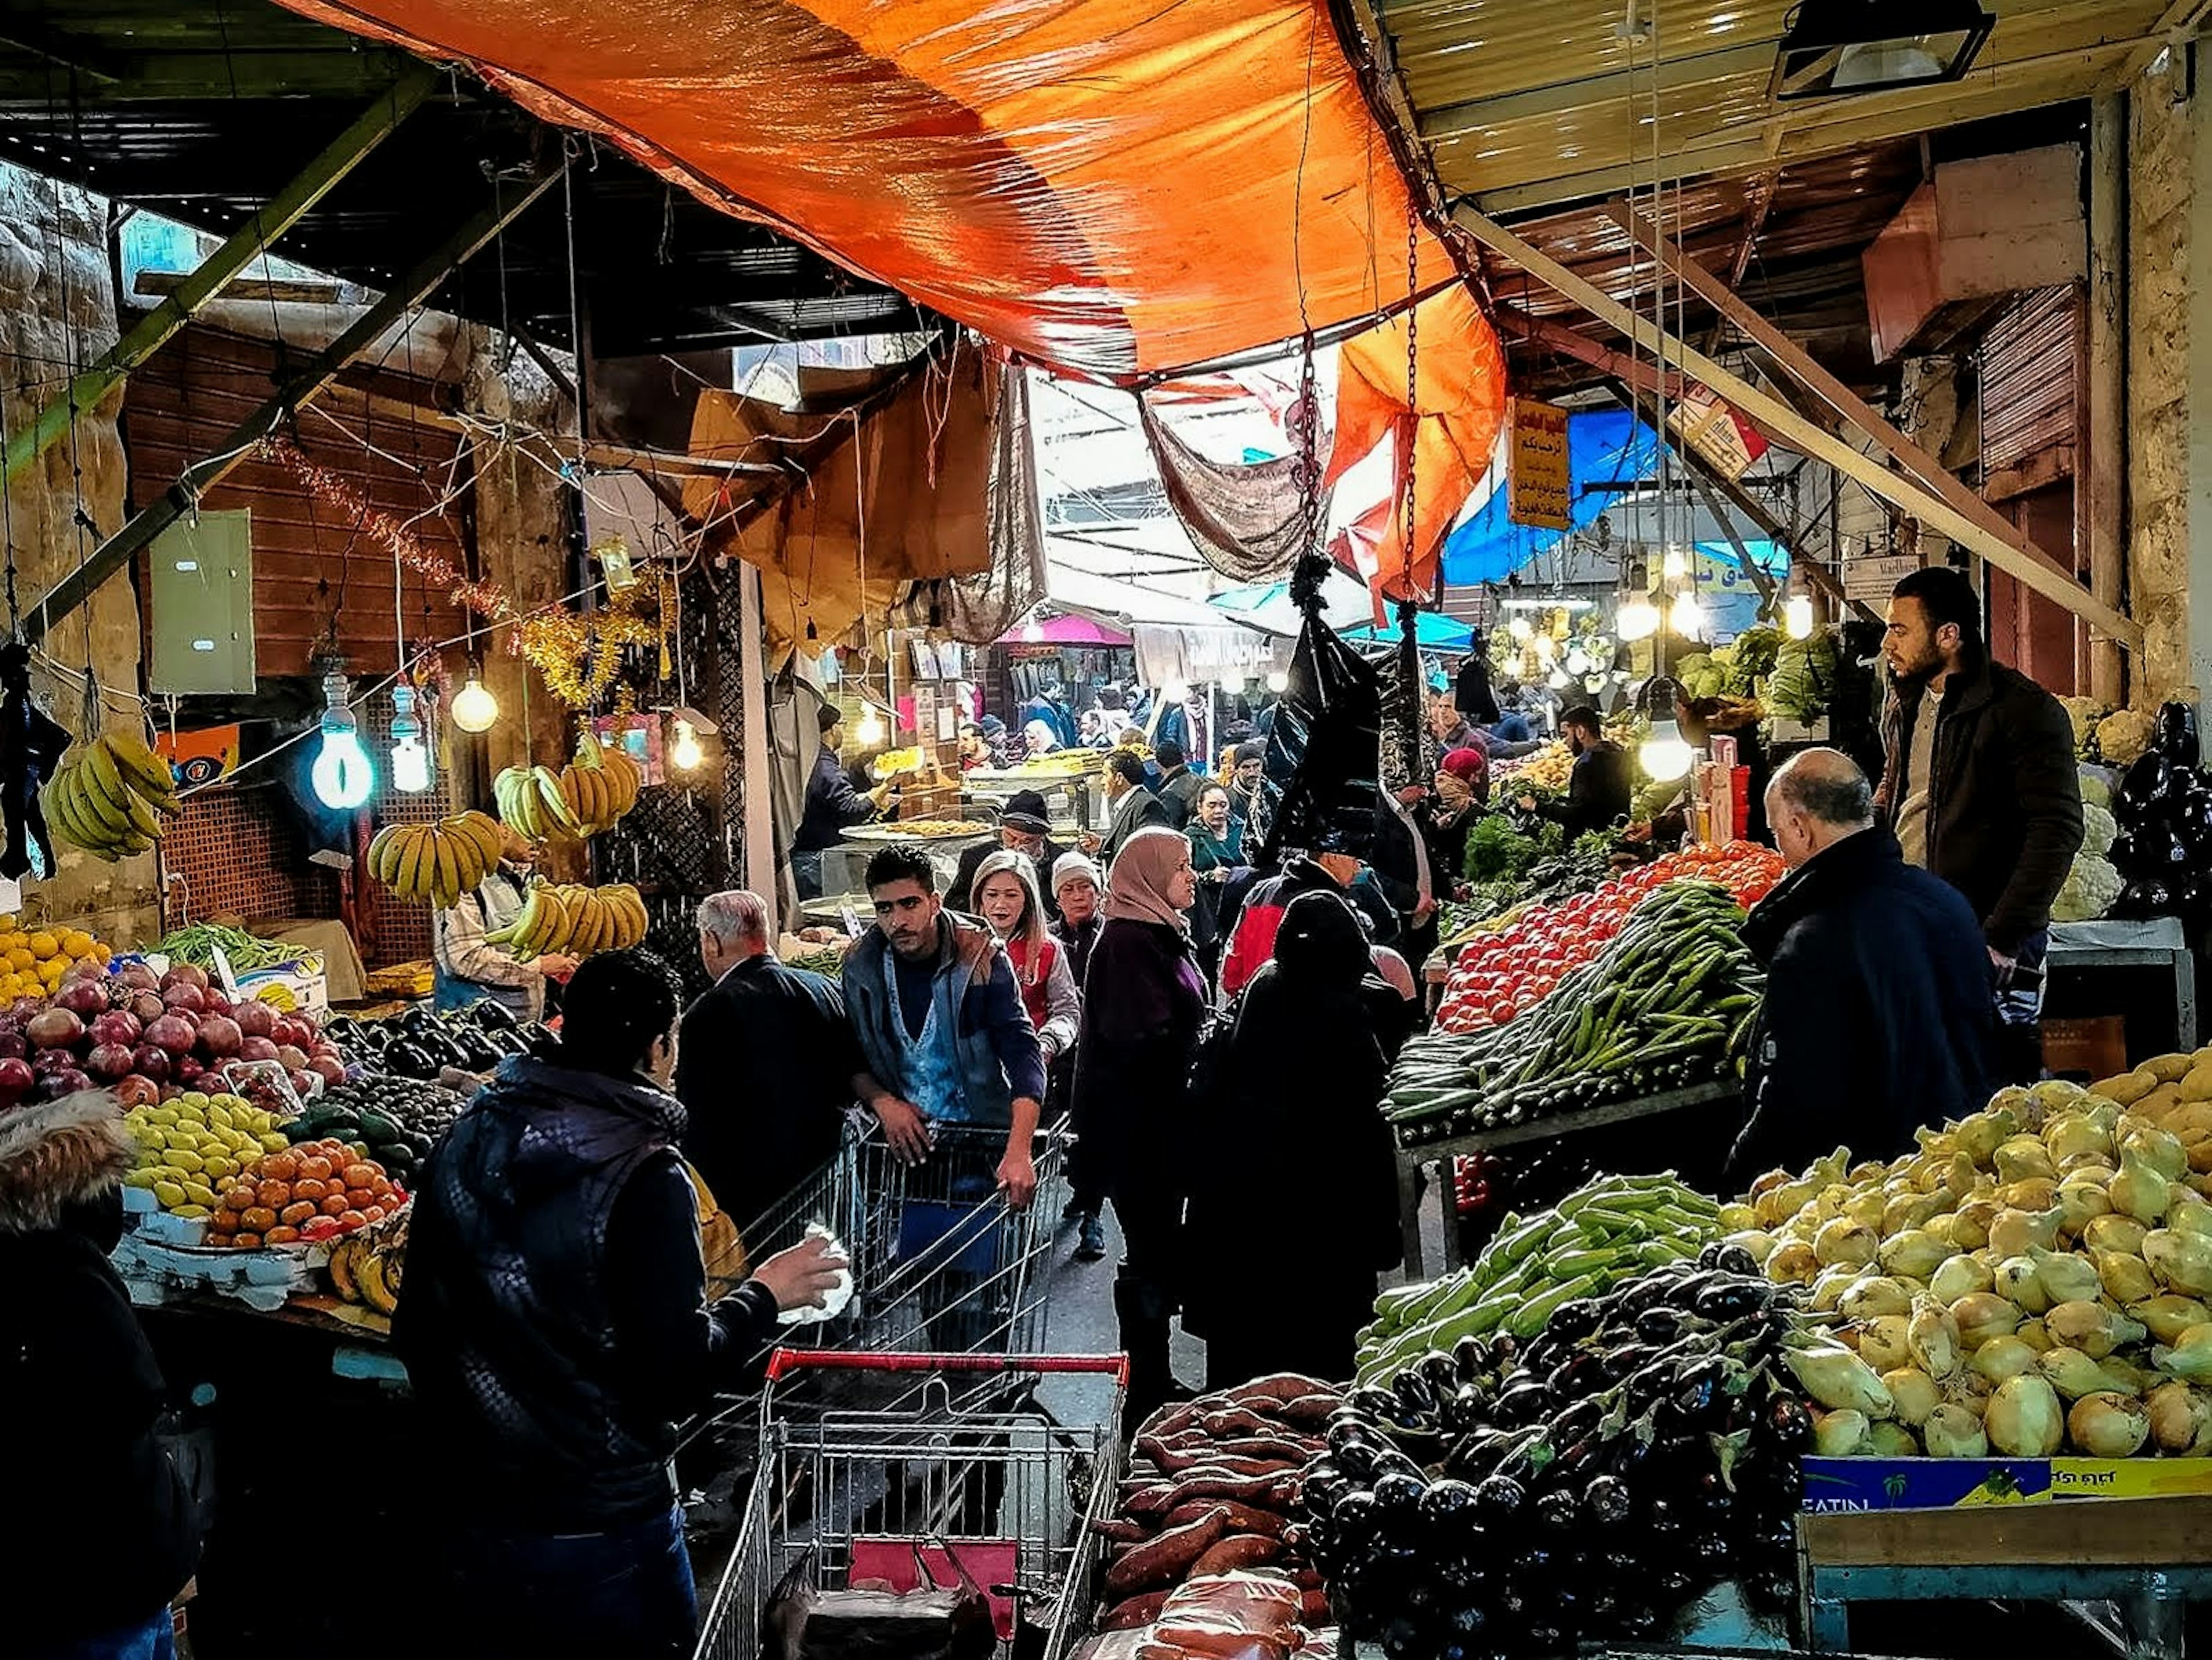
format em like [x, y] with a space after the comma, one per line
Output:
[2092, 885]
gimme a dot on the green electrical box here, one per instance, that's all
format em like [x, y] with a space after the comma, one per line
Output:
[202, 599]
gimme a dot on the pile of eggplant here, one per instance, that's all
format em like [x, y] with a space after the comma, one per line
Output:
[1513, 1498]
[422, 1043]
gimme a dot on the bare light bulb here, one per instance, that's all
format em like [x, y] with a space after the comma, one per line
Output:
[1686, 616]
[1674, 564]
[1518, 627]
[1797, 616]
[475, 709]
[870, 731]
[1278, 681]
[1638, 619]
[1559, 681]
[1665, 755]
[1577, 660]
[685, 754]
[411, 762]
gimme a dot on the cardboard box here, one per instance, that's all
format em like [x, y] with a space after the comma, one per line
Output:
[1869, 1483]
[1865, 1484]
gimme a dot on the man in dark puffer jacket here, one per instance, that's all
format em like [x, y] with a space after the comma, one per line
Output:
[98, 1531]
[557, 1330]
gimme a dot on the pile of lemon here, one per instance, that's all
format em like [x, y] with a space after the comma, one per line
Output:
[188, 1148]
[34, 964]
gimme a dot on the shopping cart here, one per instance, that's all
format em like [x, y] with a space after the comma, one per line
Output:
[997, 1490]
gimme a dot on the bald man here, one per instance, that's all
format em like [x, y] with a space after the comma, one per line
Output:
[1877, 1017]
[763, 1064]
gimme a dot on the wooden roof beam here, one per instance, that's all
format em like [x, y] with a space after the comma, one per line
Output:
[1795, 363]
[209, 277]
[1801, 435]
[1675, 74]
[317, 376]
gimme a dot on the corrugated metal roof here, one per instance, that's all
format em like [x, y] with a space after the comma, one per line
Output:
[1532, 103]
[2031, 371]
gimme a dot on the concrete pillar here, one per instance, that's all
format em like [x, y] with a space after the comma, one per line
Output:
[57, 312]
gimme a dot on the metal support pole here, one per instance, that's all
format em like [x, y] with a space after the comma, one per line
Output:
[1412, 691]
[207, 280]
[117, 550]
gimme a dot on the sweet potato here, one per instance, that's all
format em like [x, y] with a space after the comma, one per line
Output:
[1168, 1558]
[1242, 1517]
[1238, 1550]
[1133, 1612]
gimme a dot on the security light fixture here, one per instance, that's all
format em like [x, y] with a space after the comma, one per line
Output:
[1832, 48]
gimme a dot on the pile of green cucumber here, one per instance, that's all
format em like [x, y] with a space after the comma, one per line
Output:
[1610, 1230]
[1667, 1003]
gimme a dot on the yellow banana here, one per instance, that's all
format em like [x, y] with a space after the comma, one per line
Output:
[413, 883]
[140, 815]
[447, 877]
[468, 858]
[99, 770]
[144, 771]
[380, 850]
[557, 813]
[61, 815]
[95, 811]
[368, 1273]
[483, 834]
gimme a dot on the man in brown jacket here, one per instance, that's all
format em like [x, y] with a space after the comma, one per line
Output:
[1978, 783]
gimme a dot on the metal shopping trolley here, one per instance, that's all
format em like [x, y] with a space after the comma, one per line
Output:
[940, 1260]
[996, 1490]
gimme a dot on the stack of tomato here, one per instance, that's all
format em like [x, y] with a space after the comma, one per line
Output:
[1499, 975]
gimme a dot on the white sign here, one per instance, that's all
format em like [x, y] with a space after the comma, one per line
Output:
[1871, 579]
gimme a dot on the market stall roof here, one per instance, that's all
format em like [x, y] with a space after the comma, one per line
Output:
[1071, 629]
[1529, 106]
[203, 110]
[1115, 187]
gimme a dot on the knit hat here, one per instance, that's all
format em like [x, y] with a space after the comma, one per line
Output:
[1465, 764]
[1025, 811]
[992, 726]
[1251, 750]
[828, 716]
[1075, 867]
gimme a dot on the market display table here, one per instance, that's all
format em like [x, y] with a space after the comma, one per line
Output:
[1412, 1161]
[1076, 791]
[2151, 1556]
[2153, 943]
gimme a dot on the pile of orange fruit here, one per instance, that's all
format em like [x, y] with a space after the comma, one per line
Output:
[314, 1191]
[33, 964]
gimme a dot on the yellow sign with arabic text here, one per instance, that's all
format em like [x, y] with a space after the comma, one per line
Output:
[1539, 490]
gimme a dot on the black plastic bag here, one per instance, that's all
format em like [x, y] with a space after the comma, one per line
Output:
[1318, 785]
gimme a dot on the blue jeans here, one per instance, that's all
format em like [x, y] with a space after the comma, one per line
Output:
[154, 1639]
[626, 1591]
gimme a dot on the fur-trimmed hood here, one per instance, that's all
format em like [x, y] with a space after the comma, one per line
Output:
[55, 1154]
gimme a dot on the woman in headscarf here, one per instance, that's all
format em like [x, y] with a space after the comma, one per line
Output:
[1462, 784]
[1039, 738]
[1006, 899]
[1144, 1005]
[1294, 1207]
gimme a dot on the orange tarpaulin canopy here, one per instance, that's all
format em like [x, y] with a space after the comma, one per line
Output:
[1459, 387]
[1113, 188]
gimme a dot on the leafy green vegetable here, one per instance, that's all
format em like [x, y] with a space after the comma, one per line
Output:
[1496, 850]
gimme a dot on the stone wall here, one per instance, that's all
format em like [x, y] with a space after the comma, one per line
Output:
[2160, 155]
[58, 309]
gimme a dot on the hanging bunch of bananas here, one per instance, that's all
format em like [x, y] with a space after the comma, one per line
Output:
[572, 921]
[581, 800]
[104, 799]
[365, 1264]
[436, 862]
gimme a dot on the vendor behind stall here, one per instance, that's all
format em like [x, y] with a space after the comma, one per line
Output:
[833, 805]
[471, 969]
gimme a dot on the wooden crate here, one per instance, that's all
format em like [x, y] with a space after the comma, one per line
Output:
[2095, 1047]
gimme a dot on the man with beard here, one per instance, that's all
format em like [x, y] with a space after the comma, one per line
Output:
[1978, 785]
[1599, 786]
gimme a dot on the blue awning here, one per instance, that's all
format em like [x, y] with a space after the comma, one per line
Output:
[1431, 631]
[1603, 447]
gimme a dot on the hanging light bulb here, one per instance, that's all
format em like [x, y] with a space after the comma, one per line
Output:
[1559, 681]
[1797, 616]
[1664, 754]
[1638, 619]
[1278, 681]
[1674, 564]
[1686, 616]
[474, 708]
[411, 762]
[869, 732]
[685, 754]
[343, 774]
[1548, 649]
[1518, 627]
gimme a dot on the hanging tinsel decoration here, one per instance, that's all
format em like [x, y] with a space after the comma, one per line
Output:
[578, 654]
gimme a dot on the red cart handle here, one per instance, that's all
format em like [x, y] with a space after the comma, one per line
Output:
[784, 1362]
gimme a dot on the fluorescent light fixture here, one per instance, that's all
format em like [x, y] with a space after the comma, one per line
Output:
[1834, 48]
